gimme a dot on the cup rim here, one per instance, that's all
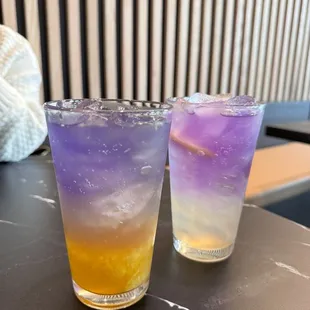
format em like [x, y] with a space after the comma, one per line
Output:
[146, 106]
[216, 104]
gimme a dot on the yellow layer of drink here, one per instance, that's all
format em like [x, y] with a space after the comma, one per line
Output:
[111, 261]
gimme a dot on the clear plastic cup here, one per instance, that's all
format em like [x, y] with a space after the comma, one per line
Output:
[109, 158]
[210, 154]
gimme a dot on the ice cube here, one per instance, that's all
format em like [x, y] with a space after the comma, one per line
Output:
[65, 118]
[204, 98]
[126, 204]
[200, 98]
[100, 105]
[241, 106]
[206, 111]
[91, 105]
[95, 119]
[241, 100]
[216, 124]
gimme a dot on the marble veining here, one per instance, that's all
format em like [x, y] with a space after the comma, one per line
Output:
[250, 206]
[291, 269]
[29, 262]
[249, 287]
[12, 223]
[302, 226]
[50, 202]
[170, 303]
[305, 244]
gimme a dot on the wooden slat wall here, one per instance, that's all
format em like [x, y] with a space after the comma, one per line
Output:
[206, 36]
[154, 49]
[33, 33]
[110, 55]
[93, 49]
[194, 47]
[74, 38]
[54, 49]
[169, 39]
[156, 11]
[182, 47]
[9, 14]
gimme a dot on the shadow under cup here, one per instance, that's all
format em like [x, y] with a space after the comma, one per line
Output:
[210, 155]
[109, 158]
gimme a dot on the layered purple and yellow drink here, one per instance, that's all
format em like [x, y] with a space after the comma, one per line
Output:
[109, 159]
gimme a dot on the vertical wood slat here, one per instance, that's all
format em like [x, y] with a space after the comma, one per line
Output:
[33, 33]
[217, 47]
[306, 90]
[246, 48]
[303, 65]
[169, 52]
[9, 14]
[74, 49]
[285, 49]
[127, 49]
[75, 58]
[301, 44]
[93, 48]
[236, 60]
[227, 45]
[110, 48]
[205, 47]
[54, 45]
[255, 46]
[194, 46]
[270, 49]
[182, 47]
[156, 49]
[291, 52]
[262, 50]
[278, 51]
[142, 50]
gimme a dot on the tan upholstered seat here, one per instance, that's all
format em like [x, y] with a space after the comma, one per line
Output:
[279, 172]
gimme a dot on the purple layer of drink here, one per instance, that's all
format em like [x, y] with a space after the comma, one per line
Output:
[109, 159]
[212, 142]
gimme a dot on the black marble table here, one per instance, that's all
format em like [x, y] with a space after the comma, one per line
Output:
[269, 269]
[296, 131]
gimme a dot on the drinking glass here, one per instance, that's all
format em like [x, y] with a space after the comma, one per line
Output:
[210, 154]
[109, 158]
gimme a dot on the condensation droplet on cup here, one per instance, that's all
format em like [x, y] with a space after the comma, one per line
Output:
[201, 153]
[146, 170]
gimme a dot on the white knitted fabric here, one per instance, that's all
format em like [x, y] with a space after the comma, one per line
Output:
[22, 121]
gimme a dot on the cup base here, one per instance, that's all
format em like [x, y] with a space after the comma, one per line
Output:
[205, 256]
[117, 301]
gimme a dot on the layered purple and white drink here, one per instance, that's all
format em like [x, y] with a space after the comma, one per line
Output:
[212, 142]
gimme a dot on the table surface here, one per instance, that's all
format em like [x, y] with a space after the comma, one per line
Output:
[296, 131]
[269, 268]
